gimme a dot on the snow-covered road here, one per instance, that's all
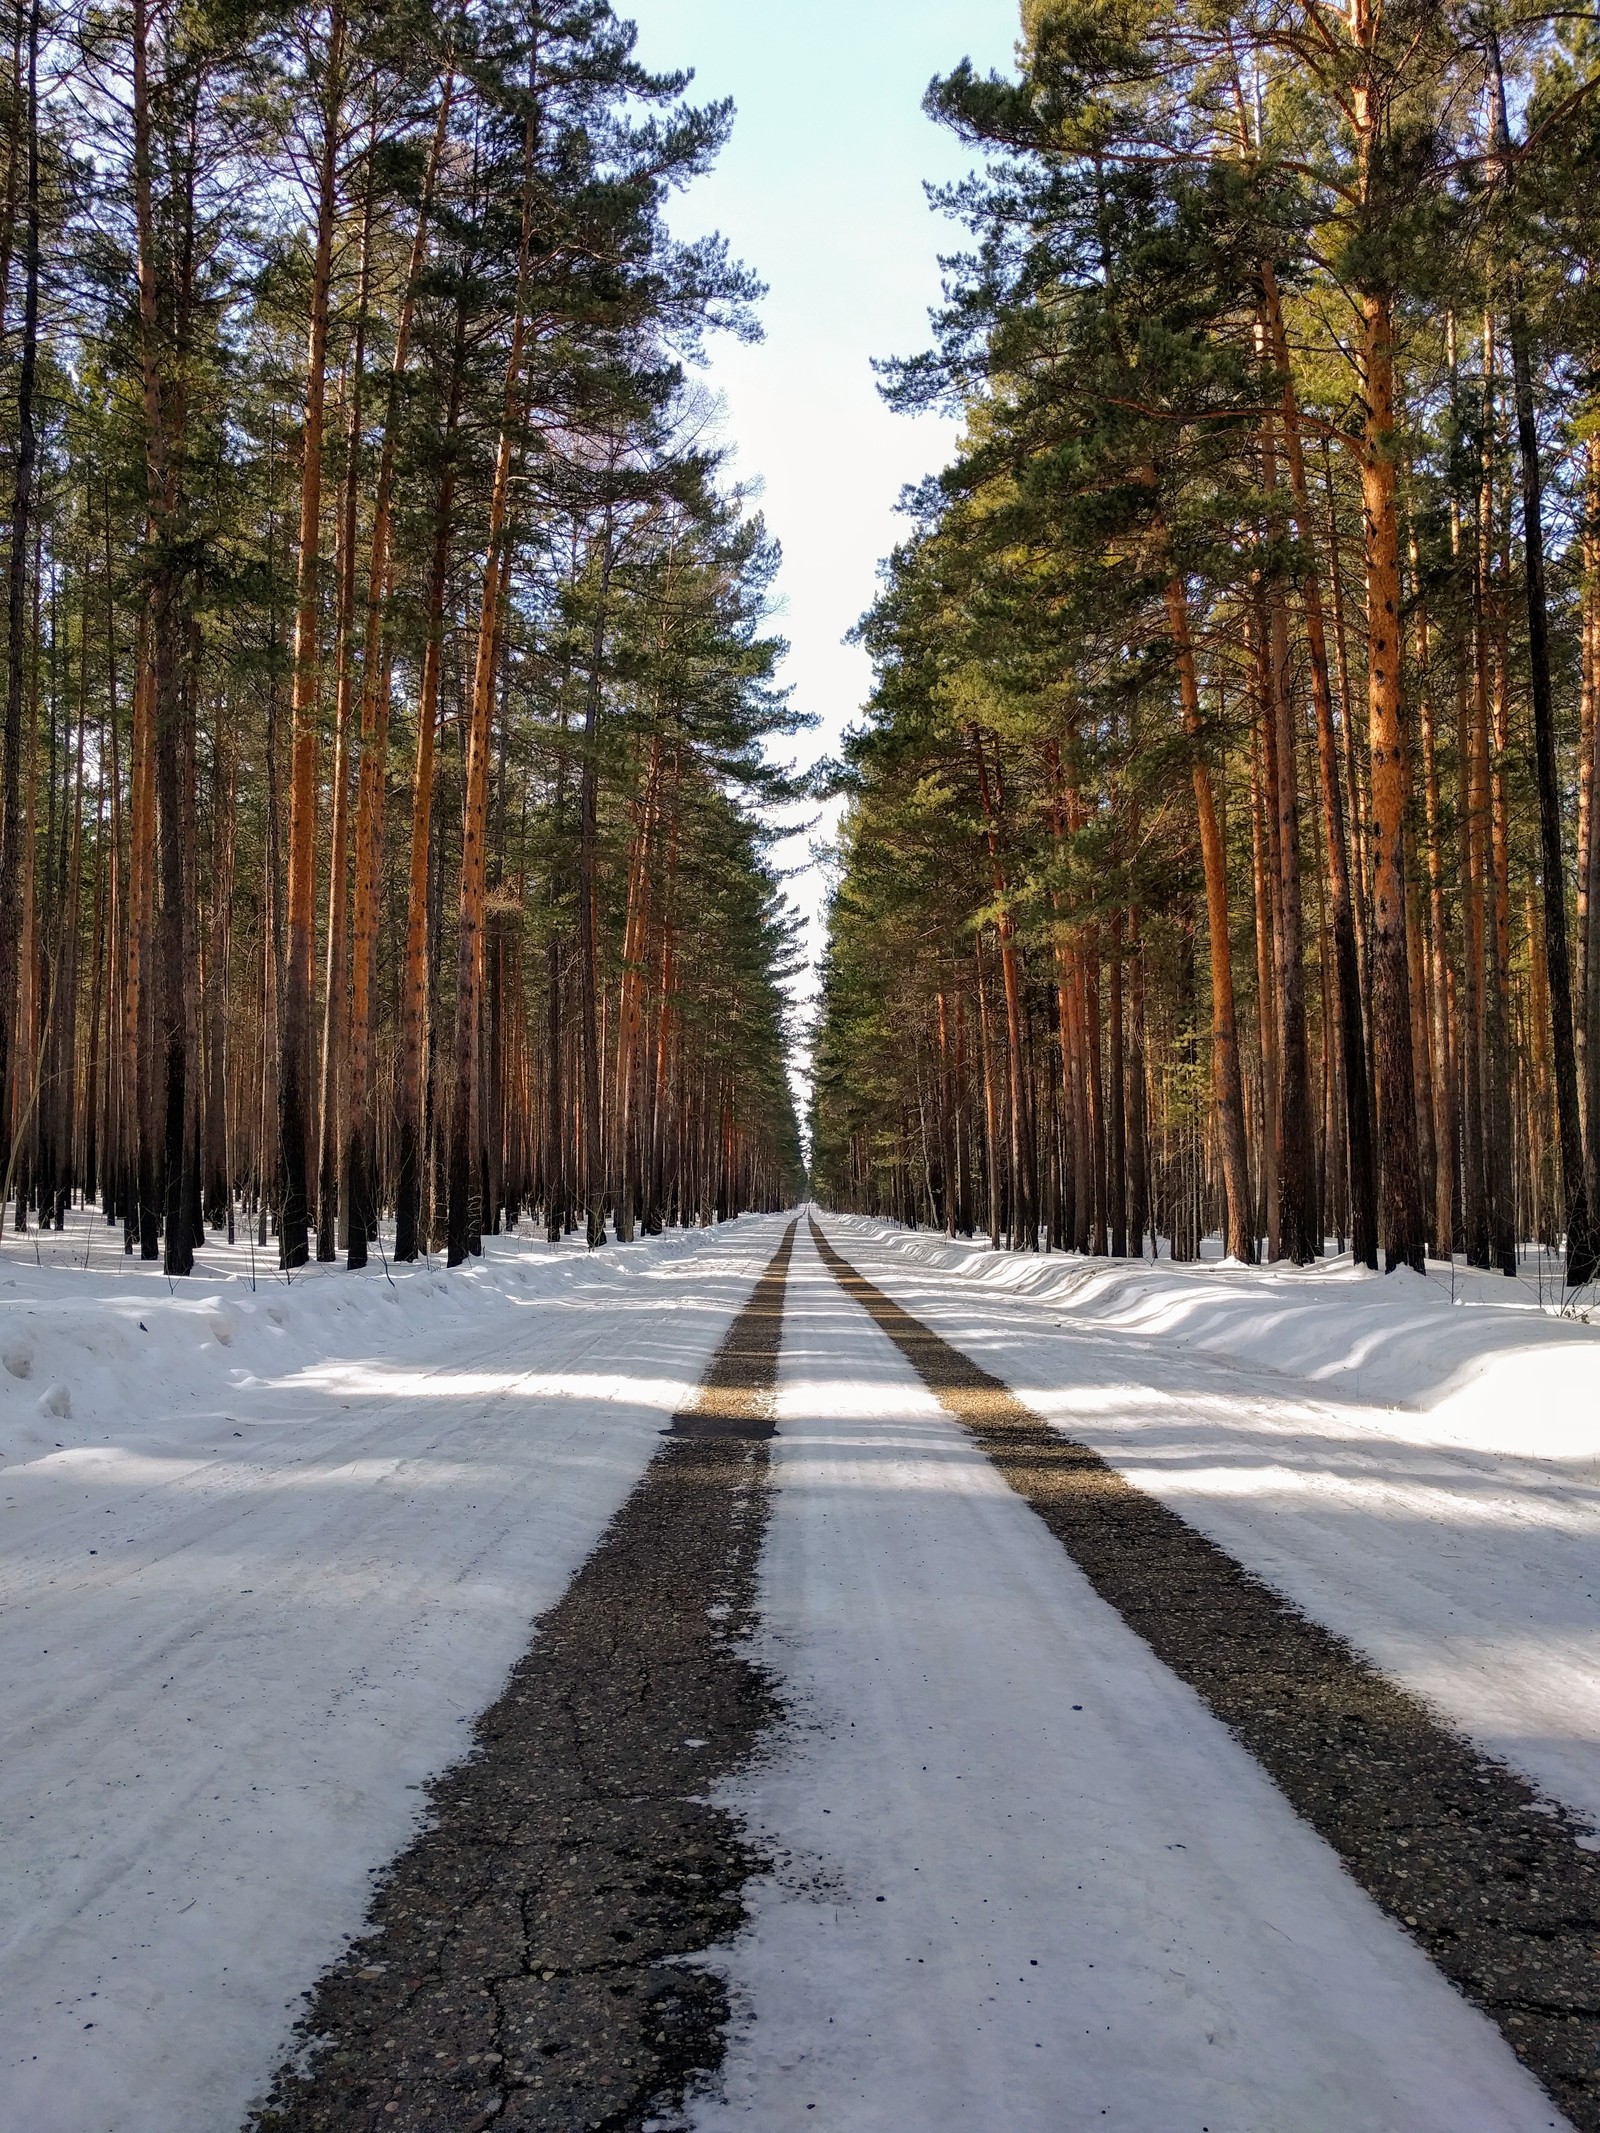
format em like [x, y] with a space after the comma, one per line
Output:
[267, 1553]
[1028, 1881]
[246, 1612]
[1454, 1541]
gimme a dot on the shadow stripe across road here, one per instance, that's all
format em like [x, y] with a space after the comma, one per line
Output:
[1491, 1881]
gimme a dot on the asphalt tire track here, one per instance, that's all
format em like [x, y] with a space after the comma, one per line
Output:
[523, 1966]
[1488, 1879]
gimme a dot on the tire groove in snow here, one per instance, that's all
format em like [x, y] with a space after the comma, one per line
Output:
[1486, 1877]
[523, 1964]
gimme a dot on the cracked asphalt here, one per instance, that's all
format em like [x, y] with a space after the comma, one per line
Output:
[529, 1959]
[524, 1964]
[1490, 1880]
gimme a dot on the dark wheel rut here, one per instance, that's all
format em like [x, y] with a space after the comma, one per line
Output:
[522, 1966]
[1488, 1879]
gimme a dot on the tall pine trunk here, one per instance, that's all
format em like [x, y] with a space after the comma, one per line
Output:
[1346, 952]
[465, 1155]
[294, 1072]
[1296, 1183]
[593, 1146]
[1591, 690]
[1401, 1181]
[410, 1094]
[22, 502]
[1024, 1194]
[359, 1156]
[1582, 1231]
[335, 992]
[1227, 1087]
[1490, 741]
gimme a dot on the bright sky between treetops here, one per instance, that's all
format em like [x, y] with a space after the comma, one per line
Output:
[820, 191]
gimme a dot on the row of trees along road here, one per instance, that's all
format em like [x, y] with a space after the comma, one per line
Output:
[1224, 839]
[386, 691]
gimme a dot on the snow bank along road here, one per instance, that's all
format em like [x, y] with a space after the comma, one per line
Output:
[1014, 1861]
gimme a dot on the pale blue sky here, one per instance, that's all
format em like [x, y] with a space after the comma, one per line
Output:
[821, 192]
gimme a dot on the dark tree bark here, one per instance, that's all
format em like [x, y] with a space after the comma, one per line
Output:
[465, 1161]
[1583, 1238]
[1403, 1226]
[1118, 1152]
[1347, 961]
[359, 1158]
[588, 914]
[22, 501]
[1296, 1187]
[294, 1076]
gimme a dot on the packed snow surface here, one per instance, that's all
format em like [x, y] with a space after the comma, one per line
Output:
[266, 1552]
[1419, 1475]
[1026, 1880]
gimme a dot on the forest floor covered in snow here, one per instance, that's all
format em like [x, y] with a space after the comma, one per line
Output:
[270, 1549]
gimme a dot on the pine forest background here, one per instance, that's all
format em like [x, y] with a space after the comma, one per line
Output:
[389, 743]
[1223, 842]
[383, 779]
